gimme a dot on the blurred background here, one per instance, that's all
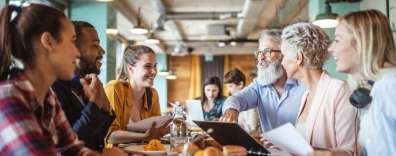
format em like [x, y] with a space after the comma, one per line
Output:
[196, 39]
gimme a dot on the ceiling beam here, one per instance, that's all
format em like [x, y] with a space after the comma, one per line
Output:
[128, 11]
[200, 15]
[173, 25]
[295, 11]
[250, 13]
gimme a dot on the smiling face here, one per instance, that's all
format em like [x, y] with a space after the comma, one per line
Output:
[64, 55]
[344, 50]
[144, 71]
[269, 68]
[91, 52]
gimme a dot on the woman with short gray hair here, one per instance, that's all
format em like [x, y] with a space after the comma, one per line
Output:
[326, 119]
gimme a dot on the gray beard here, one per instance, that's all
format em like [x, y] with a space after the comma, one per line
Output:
[268, 75]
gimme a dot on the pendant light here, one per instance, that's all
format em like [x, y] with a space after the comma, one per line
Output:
[326, 19]
[138, 29]
[151, 39]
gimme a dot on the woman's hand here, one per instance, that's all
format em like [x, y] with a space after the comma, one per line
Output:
[157, 132]
[267, 144]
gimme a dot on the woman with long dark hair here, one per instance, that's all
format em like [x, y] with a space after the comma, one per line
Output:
[32, 120]
[212, 98]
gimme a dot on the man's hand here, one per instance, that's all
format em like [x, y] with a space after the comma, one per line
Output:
[230, 115]
[93, 89]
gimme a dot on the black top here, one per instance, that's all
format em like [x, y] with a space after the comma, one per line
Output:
[88, 121]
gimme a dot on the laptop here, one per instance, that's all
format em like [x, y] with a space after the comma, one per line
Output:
[194, 110]
[232, 134]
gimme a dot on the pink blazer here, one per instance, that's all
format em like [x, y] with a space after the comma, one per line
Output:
[331, 120]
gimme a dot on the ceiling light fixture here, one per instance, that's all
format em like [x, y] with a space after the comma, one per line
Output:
[112, 31]
[233, 43]
[221, 44]
[163, 73]
[138, 29]
[326, 19]
[151, 39]
[171, 76]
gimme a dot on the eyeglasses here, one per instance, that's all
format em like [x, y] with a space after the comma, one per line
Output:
[268, 52]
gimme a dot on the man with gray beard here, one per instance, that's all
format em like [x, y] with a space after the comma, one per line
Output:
[278, 98]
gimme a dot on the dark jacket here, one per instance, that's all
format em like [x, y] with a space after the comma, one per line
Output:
[88, 121]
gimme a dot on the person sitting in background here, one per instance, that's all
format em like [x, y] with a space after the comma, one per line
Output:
[276, 97]
[32, 120]
[248, 120]
[364, 48]
[133, 99]
[212, 99]
[89, 113]
[326, 119]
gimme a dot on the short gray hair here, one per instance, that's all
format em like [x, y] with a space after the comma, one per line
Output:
[309, 39]
[272, 34]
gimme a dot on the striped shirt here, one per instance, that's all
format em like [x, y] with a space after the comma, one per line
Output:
[26, 128]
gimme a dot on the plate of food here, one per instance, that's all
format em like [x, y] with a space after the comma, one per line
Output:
[153, 147]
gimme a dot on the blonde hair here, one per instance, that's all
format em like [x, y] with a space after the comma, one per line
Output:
[131, 56]
[373, 40]
[308, 39]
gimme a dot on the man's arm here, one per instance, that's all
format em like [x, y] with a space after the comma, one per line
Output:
[245, 99]
[88, 120]
[92, 118]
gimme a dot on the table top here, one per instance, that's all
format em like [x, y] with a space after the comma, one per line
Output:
[138, 149]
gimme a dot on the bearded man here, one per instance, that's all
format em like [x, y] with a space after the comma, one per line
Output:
[277, 98]
[83, 99]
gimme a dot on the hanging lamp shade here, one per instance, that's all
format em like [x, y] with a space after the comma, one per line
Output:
[138, 29]
[326, 19]
[151, 39]
[163, 73]
[171, 76]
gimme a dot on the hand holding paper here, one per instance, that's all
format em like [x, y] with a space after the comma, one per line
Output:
[287, 138]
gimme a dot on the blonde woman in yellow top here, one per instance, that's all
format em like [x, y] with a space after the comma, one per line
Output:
[134, 100]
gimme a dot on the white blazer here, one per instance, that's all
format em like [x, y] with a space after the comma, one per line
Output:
[331, 120]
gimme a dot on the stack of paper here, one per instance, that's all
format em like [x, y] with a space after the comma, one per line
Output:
[287, 138]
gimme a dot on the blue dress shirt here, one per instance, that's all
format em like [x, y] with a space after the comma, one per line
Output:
[273, 110]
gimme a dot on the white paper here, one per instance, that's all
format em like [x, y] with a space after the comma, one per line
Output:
[287, 138]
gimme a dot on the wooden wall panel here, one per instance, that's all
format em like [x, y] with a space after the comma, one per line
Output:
[178, 89]
[245, 63]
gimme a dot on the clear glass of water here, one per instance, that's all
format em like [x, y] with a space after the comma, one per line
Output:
[177, 144]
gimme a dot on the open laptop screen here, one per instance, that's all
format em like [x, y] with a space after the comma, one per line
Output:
[194, 110]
